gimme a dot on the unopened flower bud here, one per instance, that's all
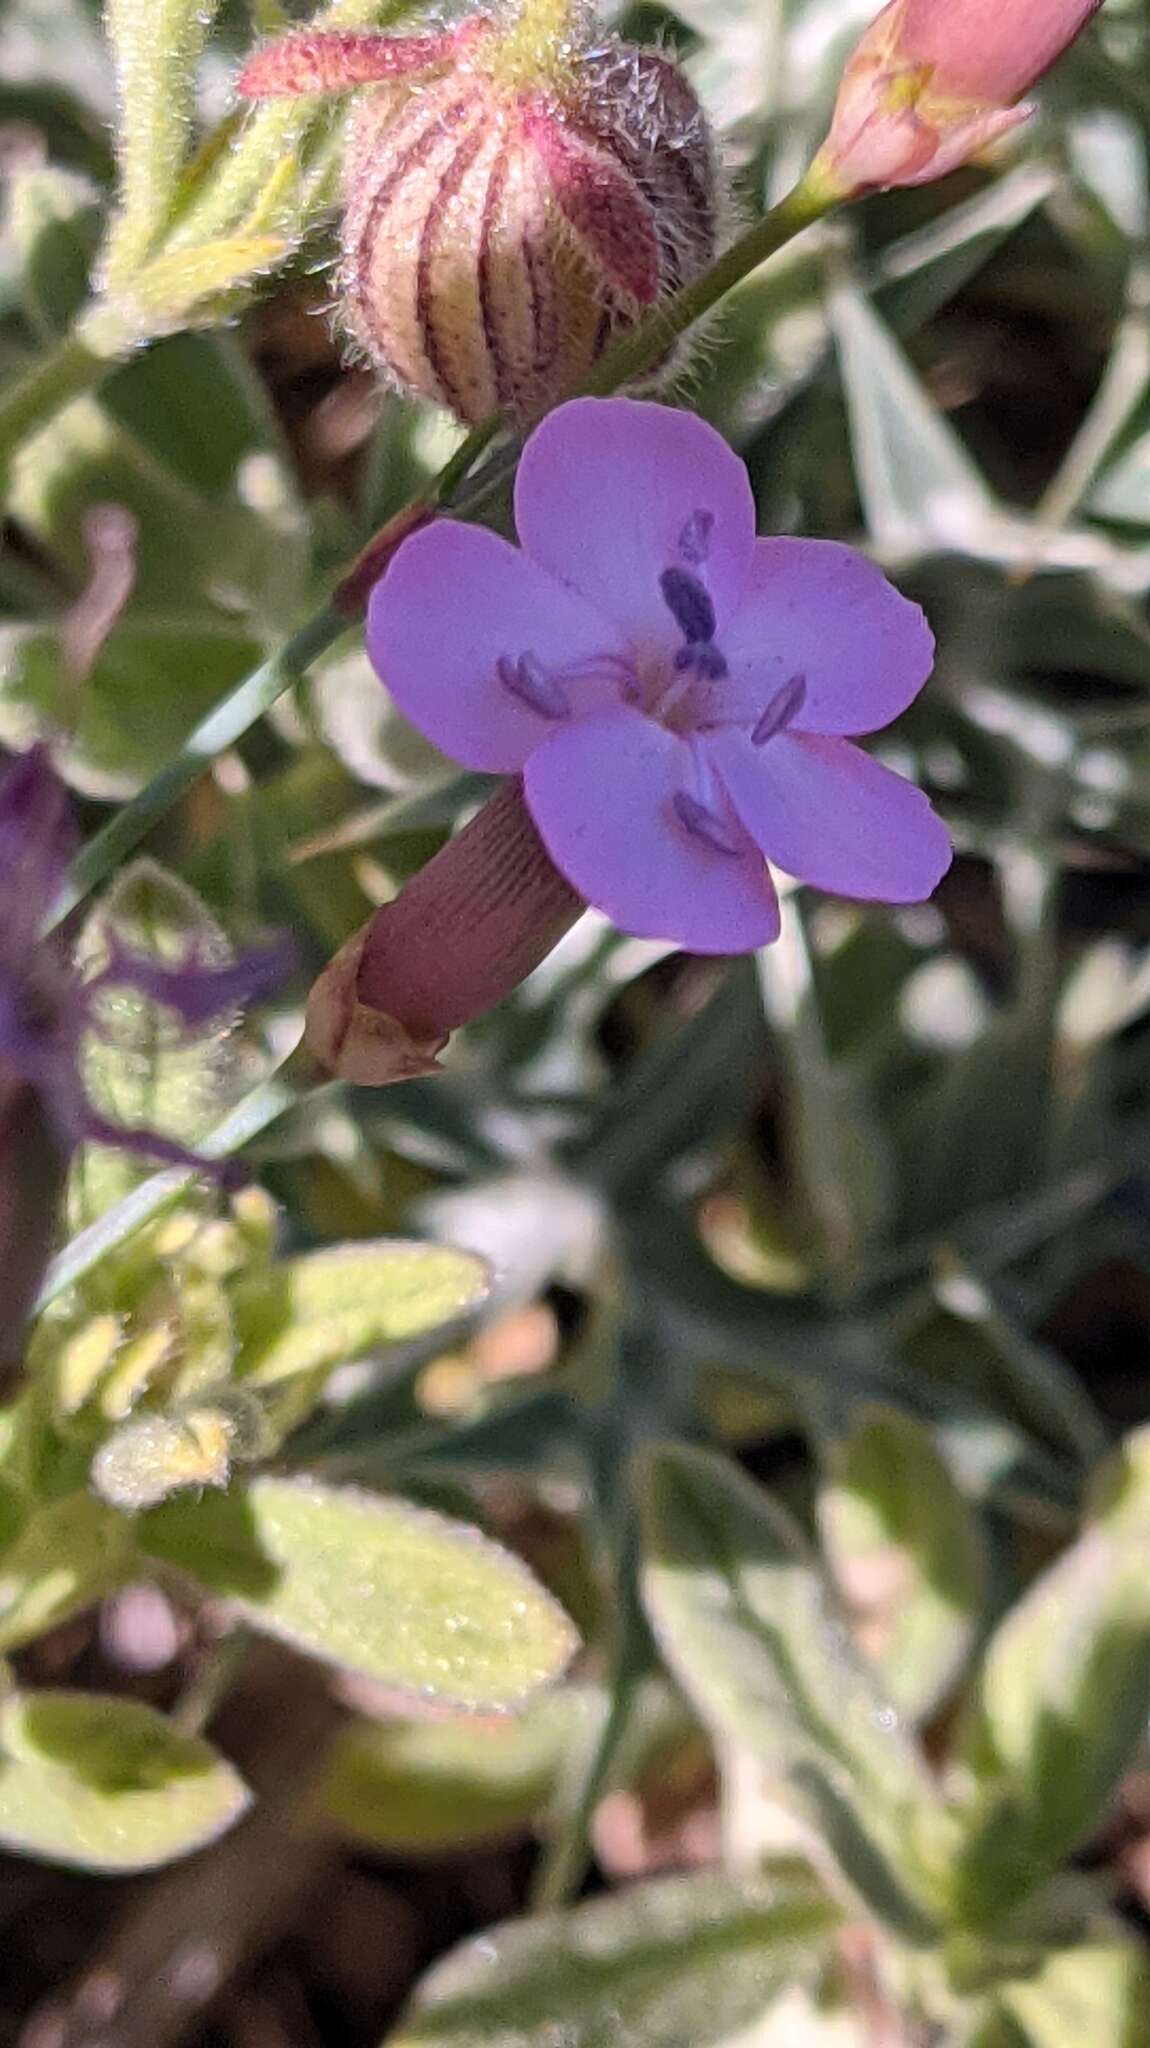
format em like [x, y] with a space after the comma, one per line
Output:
[459, 937]
[537, 193]
[933, 82]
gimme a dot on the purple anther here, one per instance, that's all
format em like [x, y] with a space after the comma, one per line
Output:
[710, 663]
[689, 604]
[783, 707]
[695, 539]
[703, 823]
[528, 680]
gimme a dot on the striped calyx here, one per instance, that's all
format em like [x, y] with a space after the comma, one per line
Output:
[501, 226]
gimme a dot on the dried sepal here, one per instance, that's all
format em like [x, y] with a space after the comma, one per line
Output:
[331, 61]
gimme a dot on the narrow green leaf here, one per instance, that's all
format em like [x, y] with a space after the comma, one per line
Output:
[170, 288]
[108, 1784]
[272, 134]
[429, 1607]
[68, 1554]
[749, 1628]
[314, 1312]
[919, 487]
[1063, 1699]
[689, 1960]
[905, 1552]
[155, 45]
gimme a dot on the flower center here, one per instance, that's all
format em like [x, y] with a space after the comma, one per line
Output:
[685, 695]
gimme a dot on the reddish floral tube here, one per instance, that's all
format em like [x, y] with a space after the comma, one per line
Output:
[464, 932]
[933, 82]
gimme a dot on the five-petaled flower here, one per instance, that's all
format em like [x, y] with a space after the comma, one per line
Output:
[675, 693]
[677, 697]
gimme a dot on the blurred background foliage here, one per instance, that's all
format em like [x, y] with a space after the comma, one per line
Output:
[808, 1367]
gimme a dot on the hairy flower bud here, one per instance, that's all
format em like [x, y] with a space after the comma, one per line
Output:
[932, 82]
[536, 194]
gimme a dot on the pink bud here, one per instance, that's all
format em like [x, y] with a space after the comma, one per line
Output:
[462, 934]
[933, 82]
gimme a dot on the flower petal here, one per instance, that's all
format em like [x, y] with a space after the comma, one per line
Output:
[820, 610]
[602, 794]
[607, 490]
[457, 600]
[823, 811]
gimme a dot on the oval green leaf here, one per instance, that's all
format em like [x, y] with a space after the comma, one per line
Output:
[429, 1785]
[108, 1784]
[428, 1607]
[305, 1314]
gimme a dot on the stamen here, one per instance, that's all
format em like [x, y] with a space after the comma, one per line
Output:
[689, 604]
[710, 663]
[703, 823]
[695, 539]
[783, 707]
[528, 680]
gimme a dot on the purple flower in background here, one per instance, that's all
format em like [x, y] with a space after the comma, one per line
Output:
[677, 695]
[46, 1007]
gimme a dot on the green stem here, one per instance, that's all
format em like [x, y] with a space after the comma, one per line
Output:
[565, 1859]
[66, 372]
[231, 719]
[636, 350]
[221, 729]
[296, 1077]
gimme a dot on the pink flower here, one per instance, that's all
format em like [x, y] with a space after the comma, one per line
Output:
[933, 82]
[675, 694]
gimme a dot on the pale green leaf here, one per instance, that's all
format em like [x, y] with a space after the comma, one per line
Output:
[67, 1554]
[306, 1314]
[108, 1784]
[425, 1785]
[905, 1552]
[143, 1068]
[1097, 1994]
[170, 288]
[54, 228]
[1063, 1698]
[919, 487]
[274, 133]
[428, 1607]
[182, 438]
[155, 45]
[749, 1628]
[1123, 492]
[685, 1961]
